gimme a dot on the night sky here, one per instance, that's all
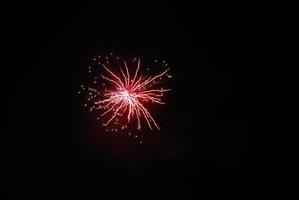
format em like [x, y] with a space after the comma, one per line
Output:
[220, 55]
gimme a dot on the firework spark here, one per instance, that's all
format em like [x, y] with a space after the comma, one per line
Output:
[126, 94]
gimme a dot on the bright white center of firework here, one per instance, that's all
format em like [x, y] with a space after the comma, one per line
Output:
[128, 96]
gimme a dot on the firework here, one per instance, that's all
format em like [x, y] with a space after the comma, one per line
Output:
[122, 93]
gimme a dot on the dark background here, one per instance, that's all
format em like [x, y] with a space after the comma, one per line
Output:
[224, 56]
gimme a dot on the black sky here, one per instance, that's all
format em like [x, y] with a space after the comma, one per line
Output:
[222, 56]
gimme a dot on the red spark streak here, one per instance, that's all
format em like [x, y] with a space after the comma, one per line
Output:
[129, 94]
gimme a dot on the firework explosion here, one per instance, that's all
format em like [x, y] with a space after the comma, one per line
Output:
[122, 93]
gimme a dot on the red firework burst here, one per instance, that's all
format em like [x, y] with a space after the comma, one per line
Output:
[126, 94]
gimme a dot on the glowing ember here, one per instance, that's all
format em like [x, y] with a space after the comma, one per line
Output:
[125, 95]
